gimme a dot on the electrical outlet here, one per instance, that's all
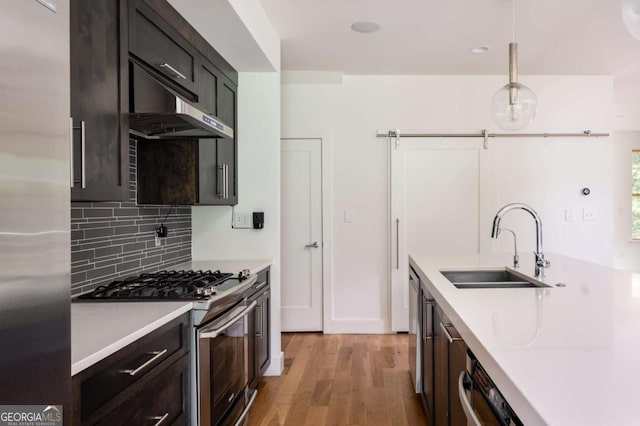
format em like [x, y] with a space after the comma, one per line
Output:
[241, 220]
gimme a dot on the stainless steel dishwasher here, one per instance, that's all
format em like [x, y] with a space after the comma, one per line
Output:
[415, 331]
[481, 400]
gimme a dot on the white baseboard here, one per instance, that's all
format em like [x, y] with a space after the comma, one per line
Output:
[276, 367]
[346, 326]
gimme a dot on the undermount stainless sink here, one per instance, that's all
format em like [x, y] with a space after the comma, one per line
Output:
[490, 279]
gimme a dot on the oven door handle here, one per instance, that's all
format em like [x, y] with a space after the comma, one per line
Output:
[246, 409]
[211, 334]
[472, 418]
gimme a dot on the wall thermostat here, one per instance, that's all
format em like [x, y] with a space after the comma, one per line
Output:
[586, 191]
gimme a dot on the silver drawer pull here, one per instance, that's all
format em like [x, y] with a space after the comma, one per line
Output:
[261, 285]
[259, 316]
[220, 182]
[160, 419]
[158, 355]
[71, 149]
[83, 176]
[173, 71]
[448, 335]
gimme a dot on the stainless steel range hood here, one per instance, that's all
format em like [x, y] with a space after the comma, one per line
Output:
[157, 112]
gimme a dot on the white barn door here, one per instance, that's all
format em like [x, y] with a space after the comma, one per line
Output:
[434, 206]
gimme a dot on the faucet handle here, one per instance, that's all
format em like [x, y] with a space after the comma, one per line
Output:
[541, 261]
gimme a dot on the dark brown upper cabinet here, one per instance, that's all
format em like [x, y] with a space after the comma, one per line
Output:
[153, 41]
[99, 100]
[188, 172]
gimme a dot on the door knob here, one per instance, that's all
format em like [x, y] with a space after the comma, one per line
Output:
[312, 245]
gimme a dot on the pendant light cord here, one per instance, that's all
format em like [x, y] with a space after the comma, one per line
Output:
[513, 22]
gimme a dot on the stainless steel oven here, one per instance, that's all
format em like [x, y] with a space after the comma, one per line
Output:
[482, 402]
[222, 367]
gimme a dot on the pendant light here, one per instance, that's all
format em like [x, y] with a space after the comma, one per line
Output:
[514, 106]
[631, 16]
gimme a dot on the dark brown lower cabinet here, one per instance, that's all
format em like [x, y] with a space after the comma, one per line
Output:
[428, 383]
[449, 360]
[140, 384]
[260, 330]
[165, 398]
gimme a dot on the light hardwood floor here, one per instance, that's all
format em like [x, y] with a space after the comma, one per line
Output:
[339, 380]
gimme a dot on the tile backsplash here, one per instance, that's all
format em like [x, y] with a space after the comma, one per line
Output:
[117, 239]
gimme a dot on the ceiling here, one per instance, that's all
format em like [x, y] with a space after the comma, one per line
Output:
[434, 36]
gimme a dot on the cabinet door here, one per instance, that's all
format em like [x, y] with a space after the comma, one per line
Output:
[263, 331]
[457, 363]
[165, 400]
[209, 87]
[209, 175]
[228, 149]
[217, 175]
[216, 172]
[440, 370]
[427, 355]
[162, 48]
[99, 100]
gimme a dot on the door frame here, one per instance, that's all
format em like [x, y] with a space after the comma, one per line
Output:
[325, 138]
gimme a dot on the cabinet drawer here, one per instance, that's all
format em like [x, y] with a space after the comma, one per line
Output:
[165, 398]
[161, 47]
[104, 381]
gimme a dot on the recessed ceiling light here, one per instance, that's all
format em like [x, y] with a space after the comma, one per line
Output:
[479, 50]
[365, 27]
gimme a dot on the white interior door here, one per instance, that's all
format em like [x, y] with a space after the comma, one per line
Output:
[301, 255]
[435, 207]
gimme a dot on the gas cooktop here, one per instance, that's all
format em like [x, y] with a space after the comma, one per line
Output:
[167, 285]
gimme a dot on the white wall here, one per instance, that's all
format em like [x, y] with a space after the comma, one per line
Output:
[548, 174]
[258, 190]
[239, 30]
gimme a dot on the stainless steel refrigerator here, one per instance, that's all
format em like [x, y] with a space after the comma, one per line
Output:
[34, 204]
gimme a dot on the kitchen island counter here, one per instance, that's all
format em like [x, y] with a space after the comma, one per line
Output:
[560, 355]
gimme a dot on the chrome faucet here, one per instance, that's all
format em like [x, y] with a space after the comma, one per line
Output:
[540, 262]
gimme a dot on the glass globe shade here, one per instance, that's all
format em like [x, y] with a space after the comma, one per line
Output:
[514, 106]
[631, 16]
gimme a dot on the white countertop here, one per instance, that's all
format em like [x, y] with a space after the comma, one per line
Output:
[560, 356]
[233, 266]
[101, 329]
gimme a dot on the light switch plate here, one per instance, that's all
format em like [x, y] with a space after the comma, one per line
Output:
[588, 215]
[241, 220]
[568, 215]
[348, 216]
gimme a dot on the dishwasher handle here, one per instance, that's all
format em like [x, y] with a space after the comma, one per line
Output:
[463, 382]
